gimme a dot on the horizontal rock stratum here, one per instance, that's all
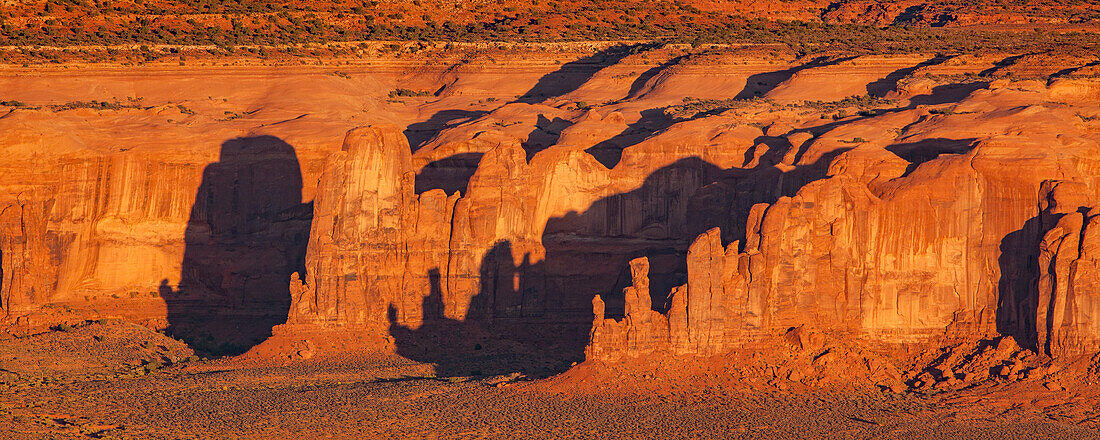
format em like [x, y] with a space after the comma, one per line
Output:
[660, 200]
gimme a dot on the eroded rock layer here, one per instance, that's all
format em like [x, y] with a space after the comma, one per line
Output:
[707, 199]
[904, 242]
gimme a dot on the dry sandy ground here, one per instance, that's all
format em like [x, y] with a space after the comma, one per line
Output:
[114, 379]
[391, 398]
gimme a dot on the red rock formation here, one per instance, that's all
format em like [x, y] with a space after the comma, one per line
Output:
[699, 235]
[26, 272]
[1066, 306]
[359, 218]
[895, 254]
[514, 217]
[157, 239]
[911, 235]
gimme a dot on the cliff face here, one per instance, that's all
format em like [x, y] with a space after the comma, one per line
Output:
[73, 226]
[931, 207]
[1066, 305]
[992, 236]
[359, 221]
[525, 240]
[160, 240]
[909, 234]
[177, 199]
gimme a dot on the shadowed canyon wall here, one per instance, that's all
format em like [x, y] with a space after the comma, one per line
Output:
[684, 220]
[247, 232]
[957, 246]
[132, 236]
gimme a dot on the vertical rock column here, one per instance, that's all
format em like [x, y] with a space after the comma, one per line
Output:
[706, 316]
[714, 308]
[1067, 306]
[641, 331]
[355, 261]
[27, 273]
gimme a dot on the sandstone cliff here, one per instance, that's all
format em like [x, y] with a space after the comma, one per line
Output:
[971, 238]
[919, 210]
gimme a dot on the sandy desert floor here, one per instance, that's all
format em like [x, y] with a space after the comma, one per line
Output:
[351, 402]
[148, 387]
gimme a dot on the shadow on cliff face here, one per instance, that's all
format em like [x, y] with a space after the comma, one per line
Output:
[533, 317]
[545, 134]
[1004, 64]
[642, 80]
[451, 173]
[652, 121]
[457, 170]
[948, 93]
[762, 83]
[420, 133]
[881, 87]
[572, 75]
[1017, 291]
[1071, 70]
[925, 150]
[247, 232]
[485, 343]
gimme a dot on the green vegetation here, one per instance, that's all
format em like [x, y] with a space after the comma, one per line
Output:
[63, 328]
[152, 366]
[226, 26]
[229, 116]
[96, 105]
[407, 93]
[693, 108]
[862, 102]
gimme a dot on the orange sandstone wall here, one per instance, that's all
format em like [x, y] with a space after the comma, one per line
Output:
[694, 235]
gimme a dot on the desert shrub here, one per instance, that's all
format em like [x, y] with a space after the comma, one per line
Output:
[693, 107]
[269, 23]
[93, 104]
[408, 93]
[153, 366]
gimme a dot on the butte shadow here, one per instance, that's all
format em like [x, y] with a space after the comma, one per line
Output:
[533, 317]
[247, 232]
[572, 75]
[1017, 291]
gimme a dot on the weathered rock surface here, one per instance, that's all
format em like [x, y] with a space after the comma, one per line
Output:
[1067, 319]
[977, 236]
[959, 207]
